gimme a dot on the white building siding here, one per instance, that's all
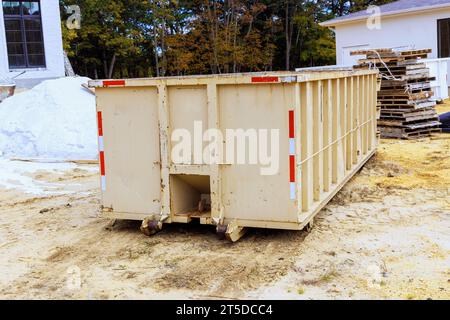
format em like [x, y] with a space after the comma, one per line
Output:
[54, 58]
[418, 30]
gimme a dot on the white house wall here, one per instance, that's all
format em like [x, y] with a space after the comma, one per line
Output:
[417, 30]
[54, 58]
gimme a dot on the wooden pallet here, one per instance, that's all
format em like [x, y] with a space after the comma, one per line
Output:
[413, 126]
[406, 75]
[407, 91]
[406, 110]
[398, 60]
[391, 51]
[412, 67]
[402, 95]
[420, 51]
[402, 101]
[403, 134]
[369, 51]
[420, 79]
[412, 88]
[399, 106]
[410, 121]
[406, 114]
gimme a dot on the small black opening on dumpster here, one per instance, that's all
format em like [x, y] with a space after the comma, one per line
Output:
[190, 195]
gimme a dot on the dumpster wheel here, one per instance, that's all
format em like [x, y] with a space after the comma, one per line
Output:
[151, 226]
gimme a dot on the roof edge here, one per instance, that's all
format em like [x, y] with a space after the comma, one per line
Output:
[332, 23]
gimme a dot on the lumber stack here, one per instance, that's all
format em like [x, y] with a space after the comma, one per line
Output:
[407, 111]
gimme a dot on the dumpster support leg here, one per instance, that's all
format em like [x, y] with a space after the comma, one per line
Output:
[309, 226]
[152, 225]
[111, 225]
[231, 232]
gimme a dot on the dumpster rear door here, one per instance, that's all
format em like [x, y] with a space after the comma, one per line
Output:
[132, 172]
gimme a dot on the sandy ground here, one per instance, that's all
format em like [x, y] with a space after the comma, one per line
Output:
[444, 107]
[385, 235]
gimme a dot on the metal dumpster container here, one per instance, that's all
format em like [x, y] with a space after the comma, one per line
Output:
[276, 146]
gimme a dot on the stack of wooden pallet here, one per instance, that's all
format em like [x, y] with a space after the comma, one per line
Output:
[407, 112]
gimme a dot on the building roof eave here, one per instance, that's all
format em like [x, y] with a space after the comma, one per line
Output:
[335, 22]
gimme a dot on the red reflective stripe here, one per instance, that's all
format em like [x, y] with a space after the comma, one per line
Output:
[292, 136]
[265, 79]
[102, 163]
[109, 83]
[292, 168]
[100, 124]
[291, 125]
[100, 134]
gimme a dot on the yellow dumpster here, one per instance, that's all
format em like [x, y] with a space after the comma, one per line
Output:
[261, 150]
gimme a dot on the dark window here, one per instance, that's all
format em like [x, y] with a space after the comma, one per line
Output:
[444, 38]
[24, 38]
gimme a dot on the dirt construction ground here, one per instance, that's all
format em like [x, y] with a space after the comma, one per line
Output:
[385, 235]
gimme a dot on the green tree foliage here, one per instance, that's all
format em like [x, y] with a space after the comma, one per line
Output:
[140, 38]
